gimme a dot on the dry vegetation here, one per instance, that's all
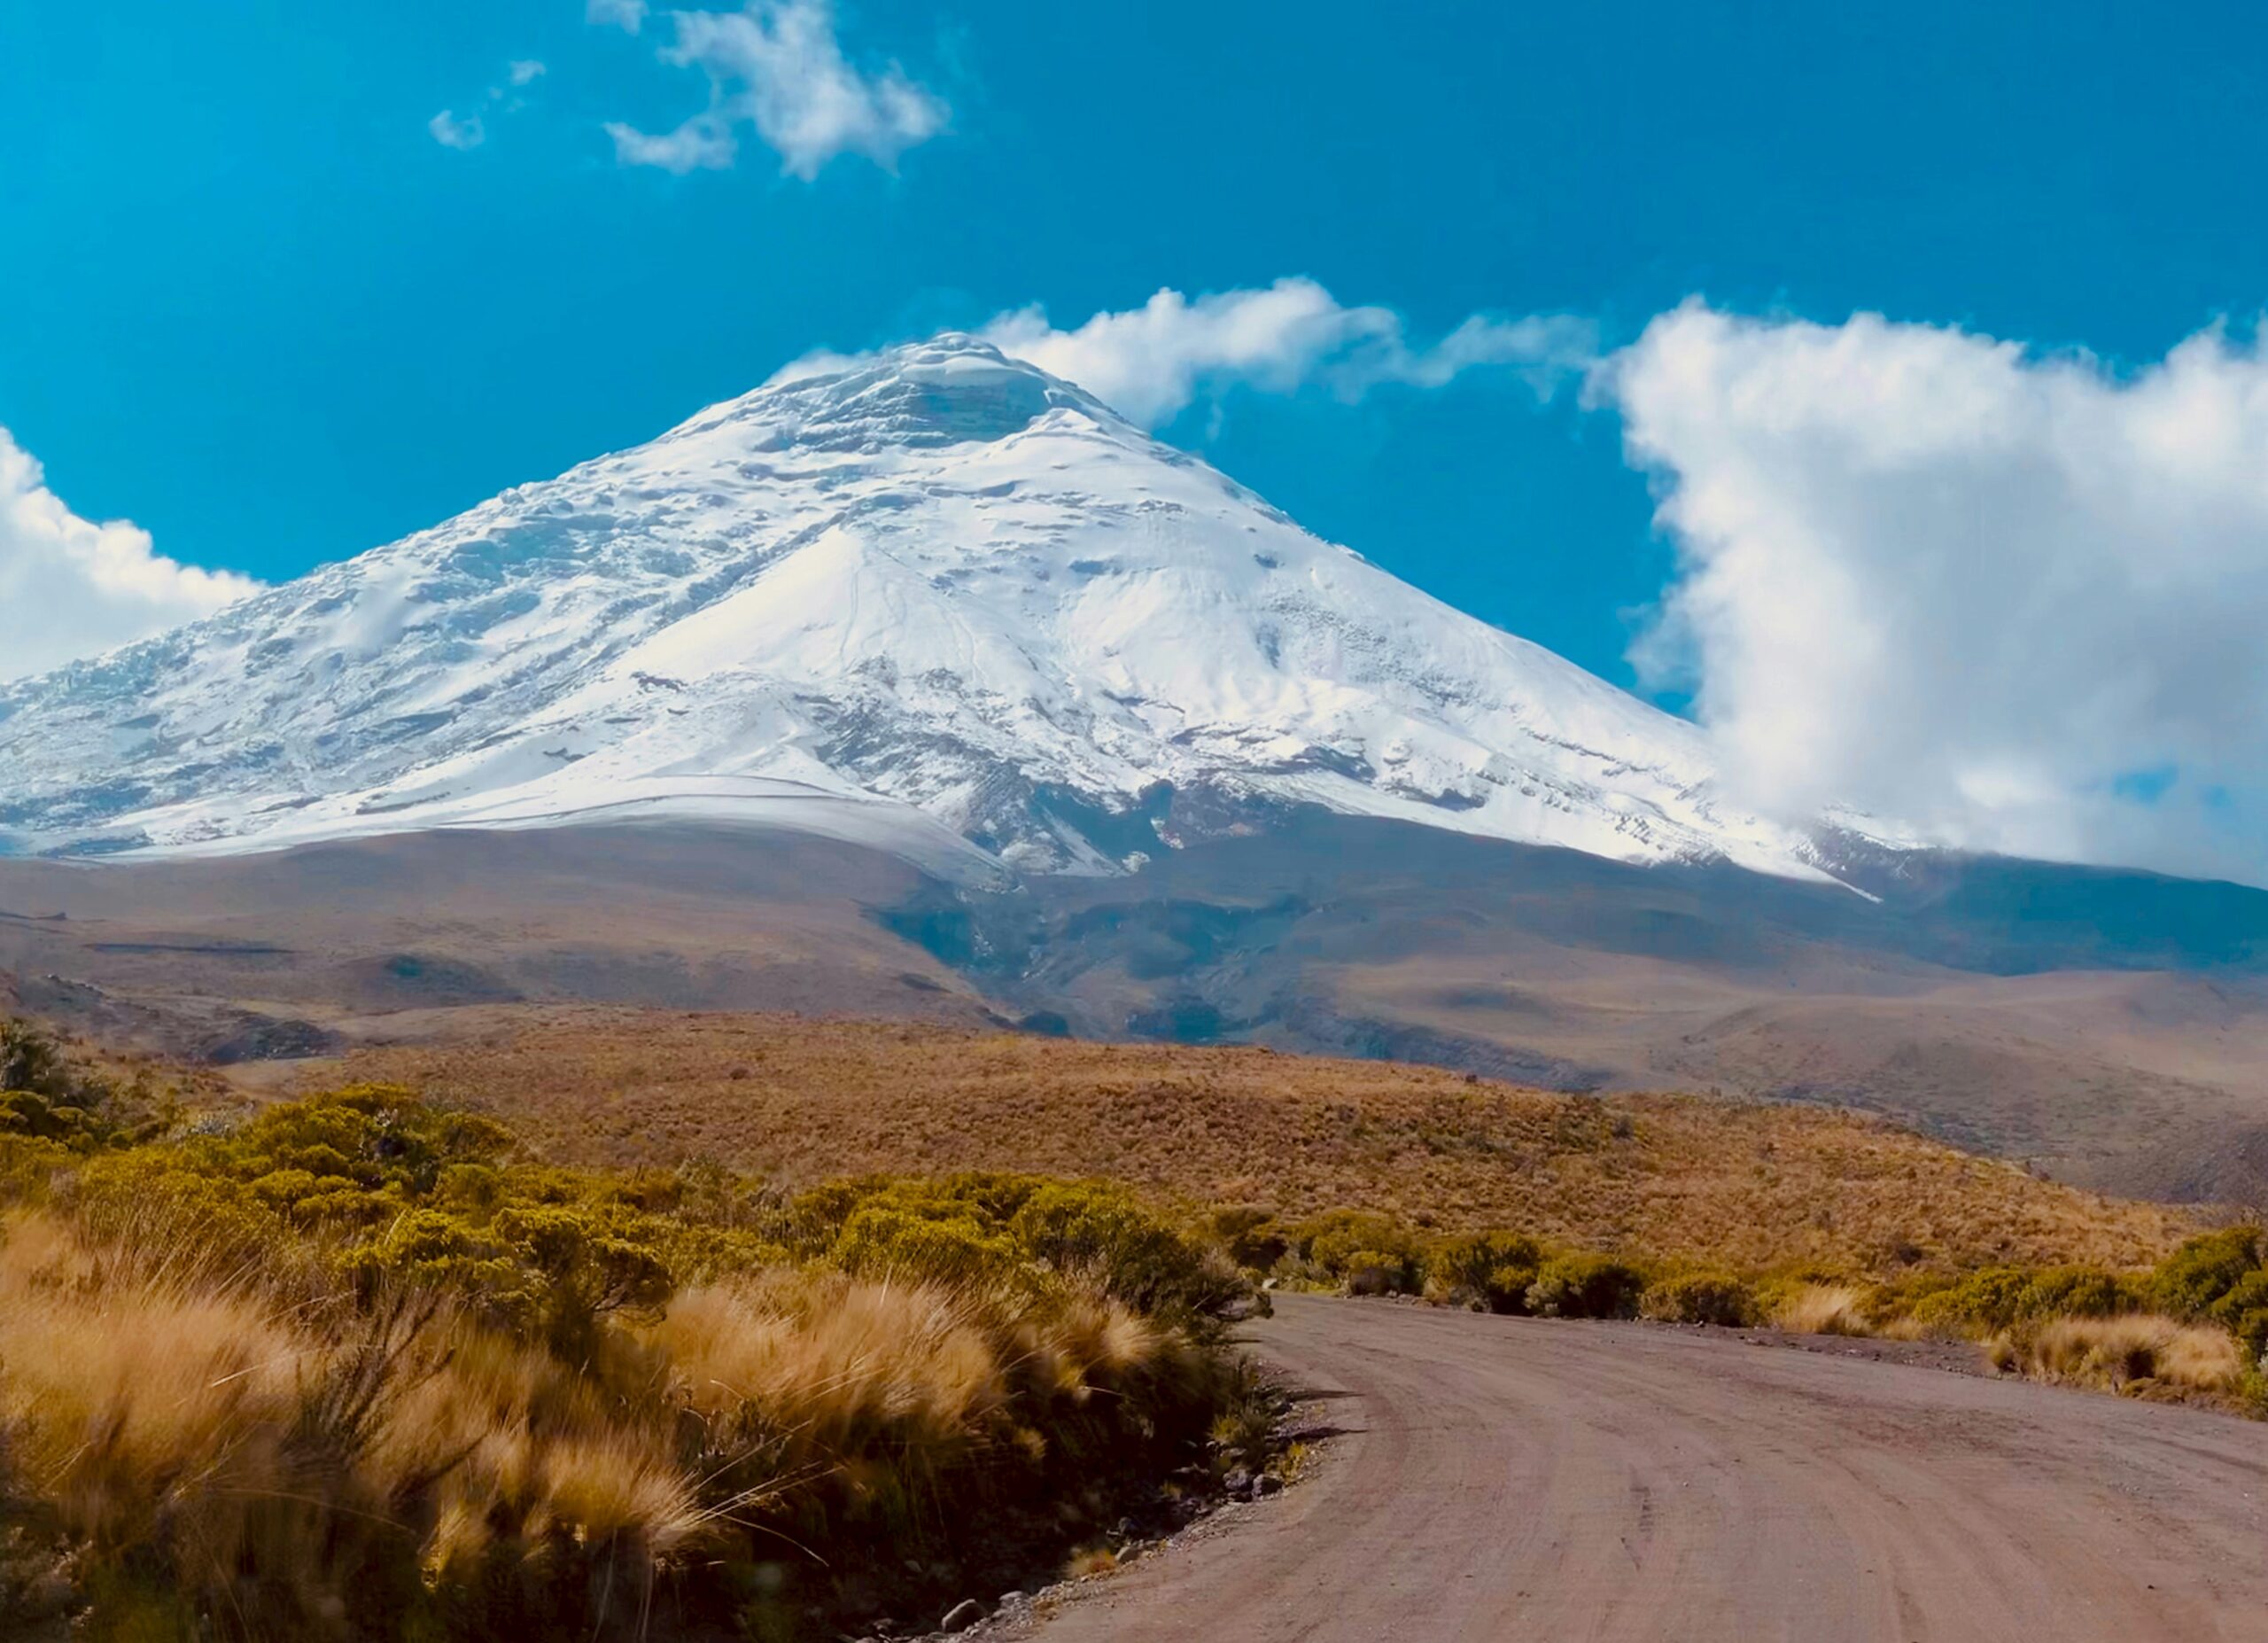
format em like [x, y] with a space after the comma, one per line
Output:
[1662, 1177]
[2140, 1352]
[1676, 1208]
[362, 1365]
[194, 1453]
[355, 1367]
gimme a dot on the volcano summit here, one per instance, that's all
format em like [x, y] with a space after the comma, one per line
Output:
[934, 599]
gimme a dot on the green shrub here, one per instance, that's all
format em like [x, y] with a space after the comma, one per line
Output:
[2075, 1292]
[1378, 1271]
[2201, 1272]
[1983, 1302]
[882, 1241]
[32, 1063]
[2250, 1327]
[1490, 1269]
[2244, 1312]
[1582, 1285]
[1103, 1233]
[1251, 1236]
[1699, 1298]
[45, 1095]
[993, 1227]
[1370, 1253]
[583, 1272]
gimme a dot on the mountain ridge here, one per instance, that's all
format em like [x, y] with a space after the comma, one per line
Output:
[934, 600]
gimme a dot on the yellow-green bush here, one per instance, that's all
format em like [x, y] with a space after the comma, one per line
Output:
[1580, 1284]
[1983, 1300]
[2077, 1292]
[1489, 1269]
[2219, 1278]
[1249, 1236]
[1370, 1252]
[2243, 1312]
[1699, 1298]
[1103, 1233]
[50, 1102]
[2189, 1281]
[883, 1240]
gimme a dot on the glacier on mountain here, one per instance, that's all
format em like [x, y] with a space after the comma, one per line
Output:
[934, 599]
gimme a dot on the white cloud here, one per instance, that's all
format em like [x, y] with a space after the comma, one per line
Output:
[818, 362]
[1150, 363]
[451, 129]
[78, 588]
[778, 67]
[703, 143]
[2018, 600]
[452, 132]
[627, 15]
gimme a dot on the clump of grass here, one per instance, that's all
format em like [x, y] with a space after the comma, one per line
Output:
[1244, 1434]
[1090, 1561]
[2132, 1353]
[1812, 1308]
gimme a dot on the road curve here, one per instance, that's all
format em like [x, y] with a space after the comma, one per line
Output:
[1509, 1479]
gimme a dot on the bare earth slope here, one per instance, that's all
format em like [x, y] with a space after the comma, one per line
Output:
[159, 954]
[1510, 1478]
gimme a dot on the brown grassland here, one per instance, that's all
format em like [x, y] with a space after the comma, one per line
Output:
[794, 1099]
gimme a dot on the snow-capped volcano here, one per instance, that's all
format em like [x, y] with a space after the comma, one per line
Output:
[935, 598]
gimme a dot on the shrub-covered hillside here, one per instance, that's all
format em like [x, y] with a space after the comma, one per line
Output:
[1667, 1177]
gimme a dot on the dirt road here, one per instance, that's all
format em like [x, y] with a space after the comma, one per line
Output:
[1509, 1479]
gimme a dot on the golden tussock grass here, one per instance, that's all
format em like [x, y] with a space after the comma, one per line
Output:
[143, 1398]
[816, 1366]
[1738, 1184]
[218, 1454]
[1819, 1308]
[192, 1422]
[2135, 1351]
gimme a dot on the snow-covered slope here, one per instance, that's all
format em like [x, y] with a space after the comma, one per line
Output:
[936, 600]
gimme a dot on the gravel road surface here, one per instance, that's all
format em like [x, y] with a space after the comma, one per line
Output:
[1506, 1478]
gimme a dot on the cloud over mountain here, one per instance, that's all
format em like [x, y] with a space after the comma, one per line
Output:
[74, 587]
[2016, 598]
[1151, 363]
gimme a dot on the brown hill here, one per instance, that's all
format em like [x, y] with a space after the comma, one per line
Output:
[2111, 1029]
[796, 1100]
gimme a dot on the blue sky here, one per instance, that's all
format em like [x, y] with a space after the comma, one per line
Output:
[257, 307]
